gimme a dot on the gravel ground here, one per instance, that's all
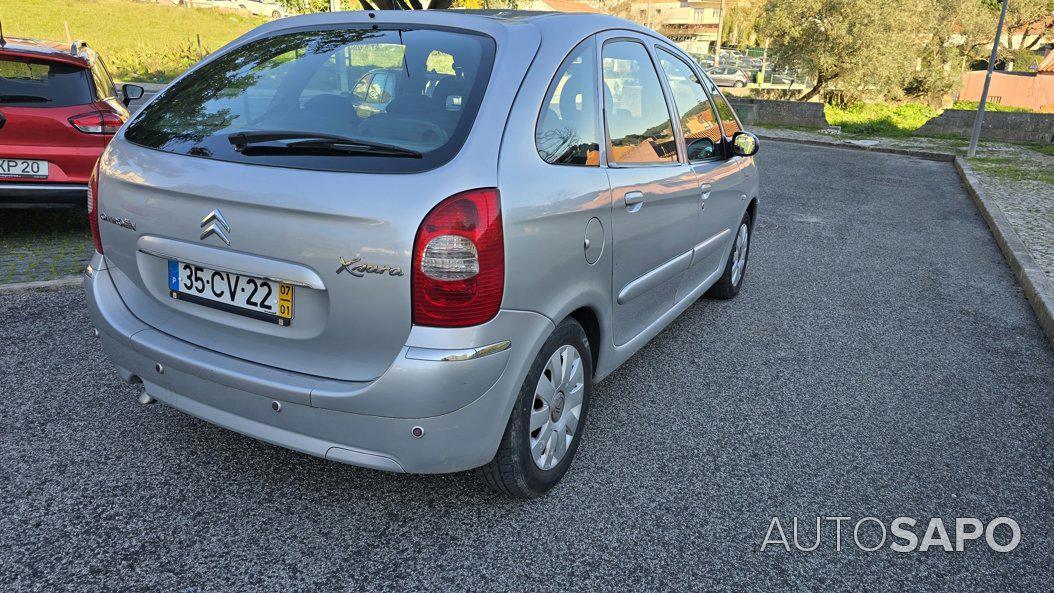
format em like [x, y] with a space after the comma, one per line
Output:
[1019, 179]
[881, 361]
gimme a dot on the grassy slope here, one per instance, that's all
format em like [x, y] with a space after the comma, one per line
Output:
[138, 40]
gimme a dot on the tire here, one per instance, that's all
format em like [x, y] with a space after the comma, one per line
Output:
[514, 471]
[276, 15]
[727, 287]
[740, 84]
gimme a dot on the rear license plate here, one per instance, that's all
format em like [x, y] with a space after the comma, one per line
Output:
[254, 297]
[23, 169]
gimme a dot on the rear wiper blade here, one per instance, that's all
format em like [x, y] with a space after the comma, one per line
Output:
[312, 143]
[24, 99]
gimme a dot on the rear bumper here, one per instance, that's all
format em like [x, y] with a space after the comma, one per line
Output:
[320, 419]
[42, 195]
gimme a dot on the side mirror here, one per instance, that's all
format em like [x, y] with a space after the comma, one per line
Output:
[744, 144]
[701, 149]
[131, 92]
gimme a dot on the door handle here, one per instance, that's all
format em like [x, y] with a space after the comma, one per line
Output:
[634, 200]
[704, 190]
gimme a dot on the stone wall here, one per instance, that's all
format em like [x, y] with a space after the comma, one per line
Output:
[998, 125]
[763, 112]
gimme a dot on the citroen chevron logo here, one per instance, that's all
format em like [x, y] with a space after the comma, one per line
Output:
[216, 224]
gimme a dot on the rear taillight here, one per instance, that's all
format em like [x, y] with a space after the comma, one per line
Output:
[459, 261]
[97, 122]
[93, 207]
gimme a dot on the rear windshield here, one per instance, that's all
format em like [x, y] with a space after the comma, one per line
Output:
[409, 96]
[35, 83]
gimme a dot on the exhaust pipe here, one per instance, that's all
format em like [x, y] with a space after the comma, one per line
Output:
[146, 399]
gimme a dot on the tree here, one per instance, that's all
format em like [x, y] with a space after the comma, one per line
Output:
[870, 48]
[1028, 22]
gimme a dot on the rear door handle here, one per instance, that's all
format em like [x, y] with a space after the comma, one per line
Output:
[634, 200]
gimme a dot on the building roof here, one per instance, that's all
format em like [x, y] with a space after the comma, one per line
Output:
[569, 6]
[1047, 66]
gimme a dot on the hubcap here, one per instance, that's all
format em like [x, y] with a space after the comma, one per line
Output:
[557, 407]
[739, 253]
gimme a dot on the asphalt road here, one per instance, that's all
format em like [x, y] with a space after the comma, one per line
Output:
[881, 361]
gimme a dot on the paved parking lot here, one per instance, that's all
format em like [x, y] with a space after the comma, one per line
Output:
[881, 361]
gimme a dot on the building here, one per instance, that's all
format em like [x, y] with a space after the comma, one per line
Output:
[557, 5]
[1031, 90]
[693, 25]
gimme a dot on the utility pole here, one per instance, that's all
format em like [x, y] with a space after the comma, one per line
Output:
[987, 81]
[720, 27]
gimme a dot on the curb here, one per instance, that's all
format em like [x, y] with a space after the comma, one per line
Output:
[1038, 289]
[930, 156]
[56, 284]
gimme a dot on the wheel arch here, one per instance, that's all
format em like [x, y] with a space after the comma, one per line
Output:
[587, 317]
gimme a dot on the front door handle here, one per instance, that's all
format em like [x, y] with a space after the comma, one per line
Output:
[634, 200]
[704, 193]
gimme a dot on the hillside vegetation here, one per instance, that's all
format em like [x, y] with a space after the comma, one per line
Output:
[139, 40]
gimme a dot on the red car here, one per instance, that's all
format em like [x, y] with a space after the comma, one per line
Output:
[58, 109]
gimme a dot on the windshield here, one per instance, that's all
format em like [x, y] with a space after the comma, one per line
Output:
[416, 89]
[38, 83]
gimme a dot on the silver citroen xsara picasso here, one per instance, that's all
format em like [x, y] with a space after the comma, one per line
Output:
[413, 241]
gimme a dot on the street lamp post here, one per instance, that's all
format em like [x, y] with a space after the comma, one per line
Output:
[987, 81]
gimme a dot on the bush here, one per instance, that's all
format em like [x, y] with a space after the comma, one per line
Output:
[880, 119]
[973, 105]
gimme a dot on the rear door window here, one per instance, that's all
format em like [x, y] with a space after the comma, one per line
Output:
[38, 83]
[408, 97]
[640, 130]
[567, 125]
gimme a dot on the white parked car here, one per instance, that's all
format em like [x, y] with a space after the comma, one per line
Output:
[255, 7]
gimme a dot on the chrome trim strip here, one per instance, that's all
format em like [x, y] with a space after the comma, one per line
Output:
[445, 355]
[43, 186]
[698, 249]
[230, 261]
[654, 278]
[225, 268]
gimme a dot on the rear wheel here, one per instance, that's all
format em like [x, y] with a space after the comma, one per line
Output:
[731, 281]
[546, 425]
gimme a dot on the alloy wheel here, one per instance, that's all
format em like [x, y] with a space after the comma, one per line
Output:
[739, 253]
[557, 407]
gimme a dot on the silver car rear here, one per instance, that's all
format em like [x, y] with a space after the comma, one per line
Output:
[325, 223]
[425, 275]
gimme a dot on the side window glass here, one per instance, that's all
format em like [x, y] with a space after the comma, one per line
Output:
[728, 117]
[376, 94]
[699, 123]
[640, 130]
[362, 86]
[103, 90]
[567, 131]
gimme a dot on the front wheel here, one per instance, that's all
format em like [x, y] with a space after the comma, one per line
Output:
[740, 84]
[546, 425]
[276, 14]
[727, 287]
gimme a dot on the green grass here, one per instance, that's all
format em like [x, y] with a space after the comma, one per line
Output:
[1012, 170]
[973, 105]
[43, 244]
[880, 119]
[1047, 149]
[138, 40]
